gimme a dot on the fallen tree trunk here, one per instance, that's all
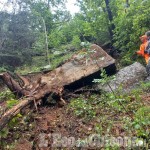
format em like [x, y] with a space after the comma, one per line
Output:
[29, 97]
[77, 71]
[16, 109]
[13, 112]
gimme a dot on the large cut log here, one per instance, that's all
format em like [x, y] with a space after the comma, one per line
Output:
[78, 71]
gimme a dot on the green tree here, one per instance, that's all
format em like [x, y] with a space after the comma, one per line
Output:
[131, 22]
[27, 27]
[97, 15]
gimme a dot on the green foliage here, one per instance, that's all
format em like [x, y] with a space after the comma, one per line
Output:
[104, 78]
[11, 103]
[57, 38]
[82, 108]
[130, 24]
[106, 111]
[4, 133]
[94, 20]
[145, 86]
[76, 41]
[7, 94]
[15, 121]
[2, 69]
[126, 59]
[142, 121]
[22, 33]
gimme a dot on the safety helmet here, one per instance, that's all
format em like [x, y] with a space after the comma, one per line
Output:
[143, 37]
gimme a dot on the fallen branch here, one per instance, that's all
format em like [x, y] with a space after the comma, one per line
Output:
[36, 94]
[16, 109]
[13, 112]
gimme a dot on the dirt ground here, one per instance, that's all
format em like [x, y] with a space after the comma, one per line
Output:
[54, 120]
[49, 121]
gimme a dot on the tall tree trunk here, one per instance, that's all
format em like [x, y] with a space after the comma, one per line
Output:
[48, 4]
[110, 17]
[127, 3]
[46, 41]
[127, 6]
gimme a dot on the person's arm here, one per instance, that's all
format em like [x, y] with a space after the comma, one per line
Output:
[141, 51]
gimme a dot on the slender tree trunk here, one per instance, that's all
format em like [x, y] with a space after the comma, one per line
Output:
[110, 17]
[108, 10]
[46, 41]
[48, 2]
[127, 6]
[127, 3]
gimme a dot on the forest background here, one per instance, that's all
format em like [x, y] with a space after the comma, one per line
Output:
[39, 33]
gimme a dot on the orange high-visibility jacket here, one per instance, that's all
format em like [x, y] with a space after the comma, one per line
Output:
[142, 48]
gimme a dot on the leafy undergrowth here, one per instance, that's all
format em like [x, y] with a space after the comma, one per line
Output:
[107, 115]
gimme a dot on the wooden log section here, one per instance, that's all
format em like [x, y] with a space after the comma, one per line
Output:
[78, 68]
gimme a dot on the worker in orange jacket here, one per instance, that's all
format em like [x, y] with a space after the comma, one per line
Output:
[143, 47]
